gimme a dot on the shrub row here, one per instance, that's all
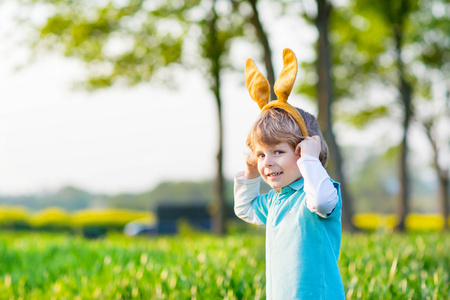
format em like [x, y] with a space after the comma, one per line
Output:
[90, 222]
[414, 222]
[103, 220]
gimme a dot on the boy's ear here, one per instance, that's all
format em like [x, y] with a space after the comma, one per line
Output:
[285, 82]
[257, 85]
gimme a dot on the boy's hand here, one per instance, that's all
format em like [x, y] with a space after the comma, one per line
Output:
[310, 146]
[252, 167]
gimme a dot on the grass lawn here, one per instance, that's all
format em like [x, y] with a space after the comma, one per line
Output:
[200, 266]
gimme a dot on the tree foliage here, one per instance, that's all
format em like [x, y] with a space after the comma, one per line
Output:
[125, 42]
[129, 42]
[398, 46]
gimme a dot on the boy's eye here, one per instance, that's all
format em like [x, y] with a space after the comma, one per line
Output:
[278, 152]
[260, 155]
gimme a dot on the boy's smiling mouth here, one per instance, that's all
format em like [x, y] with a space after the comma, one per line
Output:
[274, 174]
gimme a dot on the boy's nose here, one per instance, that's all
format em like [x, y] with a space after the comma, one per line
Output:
[268, 162]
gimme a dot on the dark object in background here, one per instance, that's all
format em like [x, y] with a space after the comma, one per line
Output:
[170, 216]
[94, 232]
[196, 215]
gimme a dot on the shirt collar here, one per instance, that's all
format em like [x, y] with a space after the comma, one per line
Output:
[296, 185]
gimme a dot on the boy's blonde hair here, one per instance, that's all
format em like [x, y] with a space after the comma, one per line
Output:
[275, 126]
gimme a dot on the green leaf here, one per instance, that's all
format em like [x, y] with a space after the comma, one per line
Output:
[364, 117]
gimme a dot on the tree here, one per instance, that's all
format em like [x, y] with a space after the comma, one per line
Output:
[396, 14]
[385, 43]
[432, 89]
[215, 46]
[129, 42]
[264, 41]
[441, 171]
[325, 97]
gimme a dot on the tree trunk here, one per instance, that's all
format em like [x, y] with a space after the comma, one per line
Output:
[219, 201]
[443, 195]
[218, 207]
[405, 94]
[262, 37]
[325, 101]
[442, 174]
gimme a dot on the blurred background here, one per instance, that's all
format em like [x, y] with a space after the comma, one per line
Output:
[123, 122]
[120, 111]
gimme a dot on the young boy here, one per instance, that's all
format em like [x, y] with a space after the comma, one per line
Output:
[302, 211]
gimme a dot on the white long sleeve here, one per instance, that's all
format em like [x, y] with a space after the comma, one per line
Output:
[321, 195]
[245, 191]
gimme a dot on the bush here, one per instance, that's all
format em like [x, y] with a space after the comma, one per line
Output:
[51, 219]
[413, 222]
[90, 223]
[14, 217]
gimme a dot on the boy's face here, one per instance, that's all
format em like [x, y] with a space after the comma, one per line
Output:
[277, 164]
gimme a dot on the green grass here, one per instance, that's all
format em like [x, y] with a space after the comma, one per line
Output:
[52, 266]
[414, 266]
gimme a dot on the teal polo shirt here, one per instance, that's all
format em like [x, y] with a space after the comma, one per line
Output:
[302, 248]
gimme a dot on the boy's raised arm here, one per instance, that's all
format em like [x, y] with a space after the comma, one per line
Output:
[245, 192]
[321, 195]
[251, 164]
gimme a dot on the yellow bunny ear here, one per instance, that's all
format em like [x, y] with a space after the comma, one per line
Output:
[285, 82]
[257, 85]
[283, 88]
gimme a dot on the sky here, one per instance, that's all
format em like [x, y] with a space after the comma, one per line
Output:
[119, 139]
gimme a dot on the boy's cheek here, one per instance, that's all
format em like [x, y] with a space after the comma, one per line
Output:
[261, 173]
[258, 166]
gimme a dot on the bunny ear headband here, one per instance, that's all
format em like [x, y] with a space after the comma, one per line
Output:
[259, 89]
